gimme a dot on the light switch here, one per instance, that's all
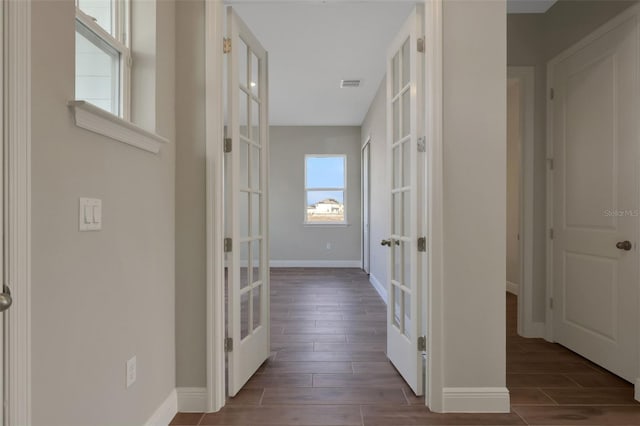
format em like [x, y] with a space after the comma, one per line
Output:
[90, 214]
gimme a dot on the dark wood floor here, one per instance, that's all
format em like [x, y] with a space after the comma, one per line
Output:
[328, 367]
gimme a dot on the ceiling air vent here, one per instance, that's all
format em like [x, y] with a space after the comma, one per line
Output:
[349, 83]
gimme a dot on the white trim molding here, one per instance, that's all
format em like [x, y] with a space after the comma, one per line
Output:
[165, 412]
[379, 287]
[97, 120]
[526, 79]
[512, 288]
[18, 210]
[214, 89]
[192, 400]
[476, 400]
[637, 389]
[315, 263]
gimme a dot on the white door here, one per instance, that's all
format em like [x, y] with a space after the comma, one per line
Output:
[404, 128]
[595, 200]
[366, 162]
[248, 268]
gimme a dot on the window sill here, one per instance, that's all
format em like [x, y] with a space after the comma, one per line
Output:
[326, 225]
[104, 123]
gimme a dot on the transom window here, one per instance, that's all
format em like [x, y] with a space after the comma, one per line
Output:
[325, 189]
[103, 56]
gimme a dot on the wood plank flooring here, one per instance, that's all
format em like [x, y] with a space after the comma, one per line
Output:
[328, 368]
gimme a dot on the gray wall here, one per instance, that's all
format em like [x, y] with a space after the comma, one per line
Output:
[474, 167]
[191, 268]
[375, 127]
[290, 238]
[99, 297]
[534, 40]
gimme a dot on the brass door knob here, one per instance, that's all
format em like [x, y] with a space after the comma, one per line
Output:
[624, 245]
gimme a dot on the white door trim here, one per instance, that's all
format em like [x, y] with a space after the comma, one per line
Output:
[18, 173]
[632, 12]
[433, 293]
[214, 34]
[527, 327]
[364, 208]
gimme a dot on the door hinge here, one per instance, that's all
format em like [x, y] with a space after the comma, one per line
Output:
[228, 245]
[227, 145]
[551, 234]
[422, 144]
[550, 161]
[422, 343]
[552, 94]
[551, 303]
[420, 45]
[226, 45]
[422, 244]
[130, 61]
[228, 344]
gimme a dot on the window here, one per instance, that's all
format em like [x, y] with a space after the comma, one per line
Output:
[325, 189]
[102, 55]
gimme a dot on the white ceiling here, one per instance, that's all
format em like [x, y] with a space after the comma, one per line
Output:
[313, 45]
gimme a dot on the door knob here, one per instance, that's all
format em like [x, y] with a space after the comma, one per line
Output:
[5, 299]
[624, 245]
[386, 243]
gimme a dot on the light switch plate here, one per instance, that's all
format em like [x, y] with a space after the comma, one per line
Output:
[90, 214]
[131, 371]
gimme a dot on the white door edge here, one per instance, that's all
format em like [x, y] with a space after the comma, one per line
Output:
[215, 302]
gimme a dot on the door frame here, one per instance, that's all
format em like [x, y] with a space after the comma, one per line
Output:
[527, 327]
[632, 12]
[365, 210]
[17, 142]
[433, 293]
[214, 135]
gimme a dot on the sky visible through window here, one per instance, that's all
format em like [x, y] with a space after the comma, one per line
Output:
[325, 172]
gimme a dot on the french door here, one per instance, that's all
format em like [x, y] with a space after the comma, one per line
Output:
[247, 225]
[405, 153]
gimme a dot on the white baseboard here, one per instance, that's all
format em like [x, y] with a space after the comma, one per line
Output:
[192, 400]
[476, 400]
[315, 264]
[512, 288]
[380, 288]
[637, 390]
[535, 330]
[165, 412]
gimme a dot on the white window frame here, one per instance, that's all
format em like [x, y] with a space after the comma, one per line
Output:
[120, 43]
[343, 189]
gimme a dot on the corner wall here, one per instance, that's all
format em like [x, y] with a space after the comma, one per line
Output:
[99, 298]
[474, 234]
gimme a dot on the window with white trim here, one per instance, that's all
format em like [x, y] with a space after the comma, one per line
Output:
[325, 189]
[103, 56]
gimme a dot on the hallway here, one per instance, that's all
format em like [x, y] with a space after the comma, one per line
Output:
[328, 367]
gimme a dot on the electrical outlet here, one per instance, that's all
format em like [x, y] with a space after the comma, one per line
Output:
[131, 372]
[328, 246]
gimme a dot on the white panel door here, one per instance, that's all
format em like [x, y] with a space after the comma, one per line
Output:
[595, 254]
[248, 266]
[404, 127]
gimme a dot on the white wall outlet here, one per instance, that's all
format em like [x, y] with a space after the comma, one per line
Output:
[131, 372]
[90, 214]
[328, 246]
